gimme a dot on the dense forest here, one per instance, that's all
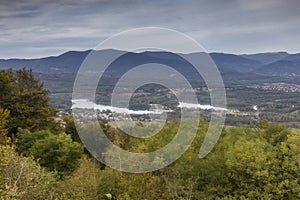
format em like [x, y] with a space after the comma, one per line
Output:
[42, 156]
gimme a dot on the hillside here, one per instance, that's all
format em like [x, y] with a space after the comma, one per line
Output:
[271, 64]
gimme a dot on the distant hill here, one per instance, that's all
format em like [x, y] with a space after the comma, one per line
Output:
[293, 57]
[68, 62]
[234, 63]
[270, 64]
[266, 58]
[281, 68]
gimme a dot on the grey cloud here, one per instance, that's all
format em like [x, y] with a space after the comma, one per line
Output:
[238, 26]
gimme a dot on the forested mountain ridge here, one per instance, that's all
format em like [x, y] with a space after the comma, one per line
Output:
[263, 63]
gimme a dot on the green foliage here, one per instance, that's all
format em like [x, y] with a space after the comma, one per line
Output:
[53, 151]
[8, 88]
[125, 186]
[247, 163]
[27, 102]
[23, 178]
[70, 128]
[248, 168]
[25, 139]
[57, 152]
[275, 133]
[4, 114]
[83, 183]
[89, 182]
[264, 167]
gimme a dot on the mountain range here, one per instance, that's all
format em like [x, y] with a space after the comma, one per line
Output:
[269, 80]
[267, 64]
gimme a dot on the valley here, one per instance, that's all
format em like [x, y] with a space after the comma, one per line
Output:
[248, 79]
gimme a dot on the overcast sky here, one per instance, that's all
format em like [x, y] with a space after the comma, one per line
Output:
[37, 28]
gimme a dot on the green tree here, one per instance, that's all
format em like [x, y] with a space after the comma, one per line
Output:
[264, 168]
[4, 114]
[57, 152]
[53, 151]
[83, 183]
[25, 139]
[27, 102]
[70, 128]
[248, 168]
[23, 178]
[8, 88]
[286, 167]
[275, 133]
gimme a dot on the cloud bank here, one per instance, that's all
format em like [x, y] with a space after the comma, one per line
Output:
[39, 28]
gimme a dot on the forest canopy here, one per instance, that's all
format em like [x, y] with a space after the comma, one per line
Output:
[42, 157]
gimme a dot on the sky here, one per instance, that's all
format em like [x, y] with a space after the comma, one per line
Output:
[39, 28]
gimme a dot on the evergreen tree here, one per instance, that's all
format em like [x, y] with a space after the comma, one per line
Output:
[27, 101]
